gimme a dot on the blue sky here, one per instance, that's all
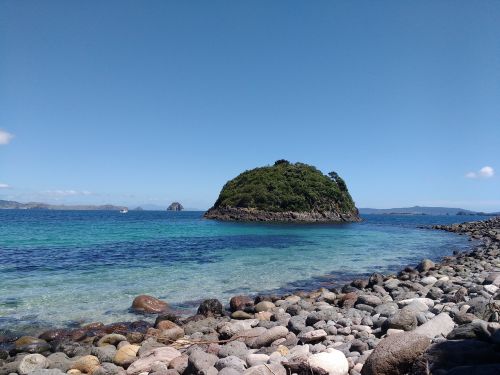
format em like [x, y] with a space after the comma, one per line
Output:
[133, 102]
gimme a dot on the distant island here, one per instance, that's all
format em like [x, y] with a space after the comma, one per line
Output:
[285, 192]
[175, 206]
[421, 210]
[12, 205]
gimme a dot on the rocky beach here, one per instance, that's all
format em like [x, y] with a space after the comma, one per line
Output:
[436, 318]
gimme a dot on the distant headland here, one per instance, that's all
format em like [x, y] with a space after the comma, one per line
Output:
[422, 210]
[13, 205]
[285, 192]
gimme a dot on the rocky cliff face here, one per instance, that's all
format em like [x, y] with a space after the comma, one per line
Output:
[285, 192]
[175, 206]
[248, 214]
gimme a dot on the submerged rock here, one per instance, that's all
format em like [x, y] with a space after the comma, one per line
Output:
[149, 304]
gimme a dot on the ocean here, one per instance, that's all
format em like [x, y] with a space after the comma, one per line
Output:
[65, 268]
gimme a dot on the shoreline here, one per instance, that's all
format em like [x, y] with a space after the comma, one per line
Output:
[187, 308]
[327, 322]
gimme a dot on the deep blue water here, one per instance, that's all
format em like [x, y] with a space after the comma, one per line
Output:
[69, 267]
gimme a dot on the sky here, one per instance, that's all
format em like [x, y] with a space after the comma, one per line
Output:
[132, 102]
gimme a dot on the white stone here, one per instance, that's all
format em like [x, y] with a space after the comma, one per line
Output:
[162, 354]
[292, 299]
[492, 289]
[332, 361]
[32, 362]
[406, 302]
[428, 280]
[393, 331]
[440, 325]
[255, 359]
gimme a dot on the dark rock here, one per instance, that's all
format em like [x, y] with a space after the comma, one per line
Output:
[32, 345]
[443, 356]
[376, 279]
[175, 206]
[211, 307]
[72, 349]
[359, 283]
[243, 303]
[476, 330]
[425, 265]
[326, 315]
[54, 334]
[369, 299]
[168, 316]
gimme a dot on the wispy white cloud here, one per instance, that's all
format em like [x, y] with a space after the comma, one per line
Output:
[4, 186]
[5, 137]
[484, 172]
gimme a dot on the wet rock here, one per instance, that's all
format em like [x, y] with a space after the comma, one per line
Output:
[359, 283]
[404, 348]
[111, 339]
[167, 316]
[149, 304]
[376, 279]
[54, 334]
[425, 265]
[33, 345]
[72, 349]
[211, 307]
[32, 362]
[243, 303]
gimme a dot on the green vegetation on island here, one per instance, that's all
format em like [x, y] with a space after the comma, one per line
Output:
[287, 187]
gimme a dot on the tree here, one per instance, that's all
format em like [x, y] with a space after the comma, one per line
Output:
[340, 182]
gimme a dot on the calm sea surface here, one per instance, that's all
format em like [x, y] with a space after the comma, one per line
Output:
[68, 267]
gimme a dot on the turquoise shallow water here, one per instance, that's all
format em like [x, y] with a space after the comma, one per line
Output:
[62, 268]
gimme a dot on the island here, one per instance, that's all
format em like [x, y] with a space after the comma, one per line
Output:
[285, 192]
[175, 206]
